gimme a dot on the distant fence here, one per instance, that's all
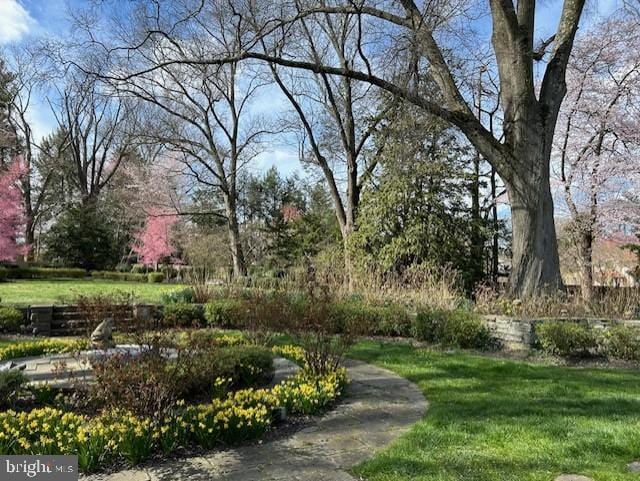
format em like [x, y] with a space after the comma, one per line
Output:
[68, 320]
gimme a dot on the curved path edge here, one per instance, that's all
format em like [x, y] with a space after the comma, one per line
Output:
[377, 407]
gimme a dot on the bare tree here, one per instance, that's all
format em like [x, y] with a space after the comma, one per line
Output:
[336, 114]
[529, 108]
[35, 183]
[202, 113]
[97, 128]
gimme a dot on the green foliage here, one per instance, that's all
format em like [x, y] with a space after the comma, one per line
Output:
[245, 366]
[10, 384]
[155, 277]
[415, 211]
[84, 237]
[622, 342]
[184, 296]
[44, 273]
[120, 276]
[4, 274]
[41, 347]
[566, 338]
[384, 320]
[224, 313]
[456, 328]
[10, 319]
[182, 315]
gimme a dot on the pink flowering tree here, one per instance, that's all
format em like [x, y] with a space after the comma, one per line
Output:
[597, 144]
[155, 242]
[12, 217]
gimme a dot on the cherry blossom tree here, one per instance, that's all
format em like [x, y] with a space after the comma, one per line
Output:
[155, 242]
[597, 144]
[11, 210]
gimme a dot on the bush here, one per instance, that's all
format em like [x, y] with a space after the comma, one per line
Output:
[155, 277]
[10, 319]
[182, 315]
[4, 274]
[228, 367]
[179, 296]
[622, 342]
[456, 328]
[120, 276]
[10, 384]
[384, 320]
[566, 338]
[43, 347]
[44, 273]
[224, 313]
[118, 435]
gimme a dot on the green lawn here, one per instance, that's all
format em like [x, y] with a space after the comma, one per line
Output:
[60, 291]
[496, 420]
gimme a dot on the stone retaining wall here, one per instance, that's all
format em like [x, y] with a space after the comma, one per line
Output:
[67, 320]
[516, 333]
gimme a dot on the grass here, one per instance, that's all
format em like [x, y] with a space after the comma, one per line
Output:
[59, 291]
[497, 420]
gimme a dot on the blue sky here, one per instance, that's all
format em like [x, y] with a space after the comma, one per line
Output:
[23, 20]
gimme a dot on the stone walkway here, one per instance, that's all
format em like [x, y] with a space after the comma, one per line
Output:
[378, 406]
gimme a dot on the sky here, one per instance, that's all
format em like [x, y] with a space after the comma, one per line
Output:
[21, 21]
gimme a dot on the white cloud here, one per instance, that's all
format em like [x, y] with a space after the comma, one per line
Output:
[15, 21]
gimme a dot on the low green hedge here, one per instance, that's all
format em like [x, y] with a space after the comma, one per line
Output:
[10, 319]
[43, 273]
[176, 296]
[155, 277]
[41, 347]
[10, 384]
[456, 328]
[567, 338]
[383, 320]
[621, 342]
[225, 313]
[120, 276]
[183, 315]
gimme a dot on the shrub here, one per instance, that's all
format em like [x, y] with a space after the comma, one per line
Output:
[224, 313]
[4, 274]
[45, 273]
[566, 338]
[10, 384]
[145, 384]
[182, 315]
[385, 320]
[456, 328]
[10, 319]
[228, 368]
[119, 435]
[155, 277]
[622, 342]
[120, 276]
[184, 296]
[43, 347]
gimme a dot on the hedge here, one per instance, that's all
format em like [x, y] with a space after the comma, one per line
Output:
[42, 273]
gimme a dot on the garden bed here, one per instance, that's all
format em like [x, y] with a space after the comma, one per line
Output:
[144, 427]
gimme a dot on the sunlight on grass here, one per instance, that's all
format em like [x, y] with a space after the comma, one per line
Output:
[496, 420]
[60, 291]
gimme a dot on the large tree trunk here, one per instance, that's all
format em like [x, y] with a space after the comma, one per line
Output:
[535, 261]
[235, 243]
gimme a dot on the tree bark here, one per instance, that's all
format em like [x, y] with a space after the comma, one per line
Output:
[535, 260]
[235, 243]
[586, 265]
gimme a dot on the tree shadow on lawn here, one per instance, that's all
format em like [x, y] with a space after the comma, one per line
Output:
[504, 420]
